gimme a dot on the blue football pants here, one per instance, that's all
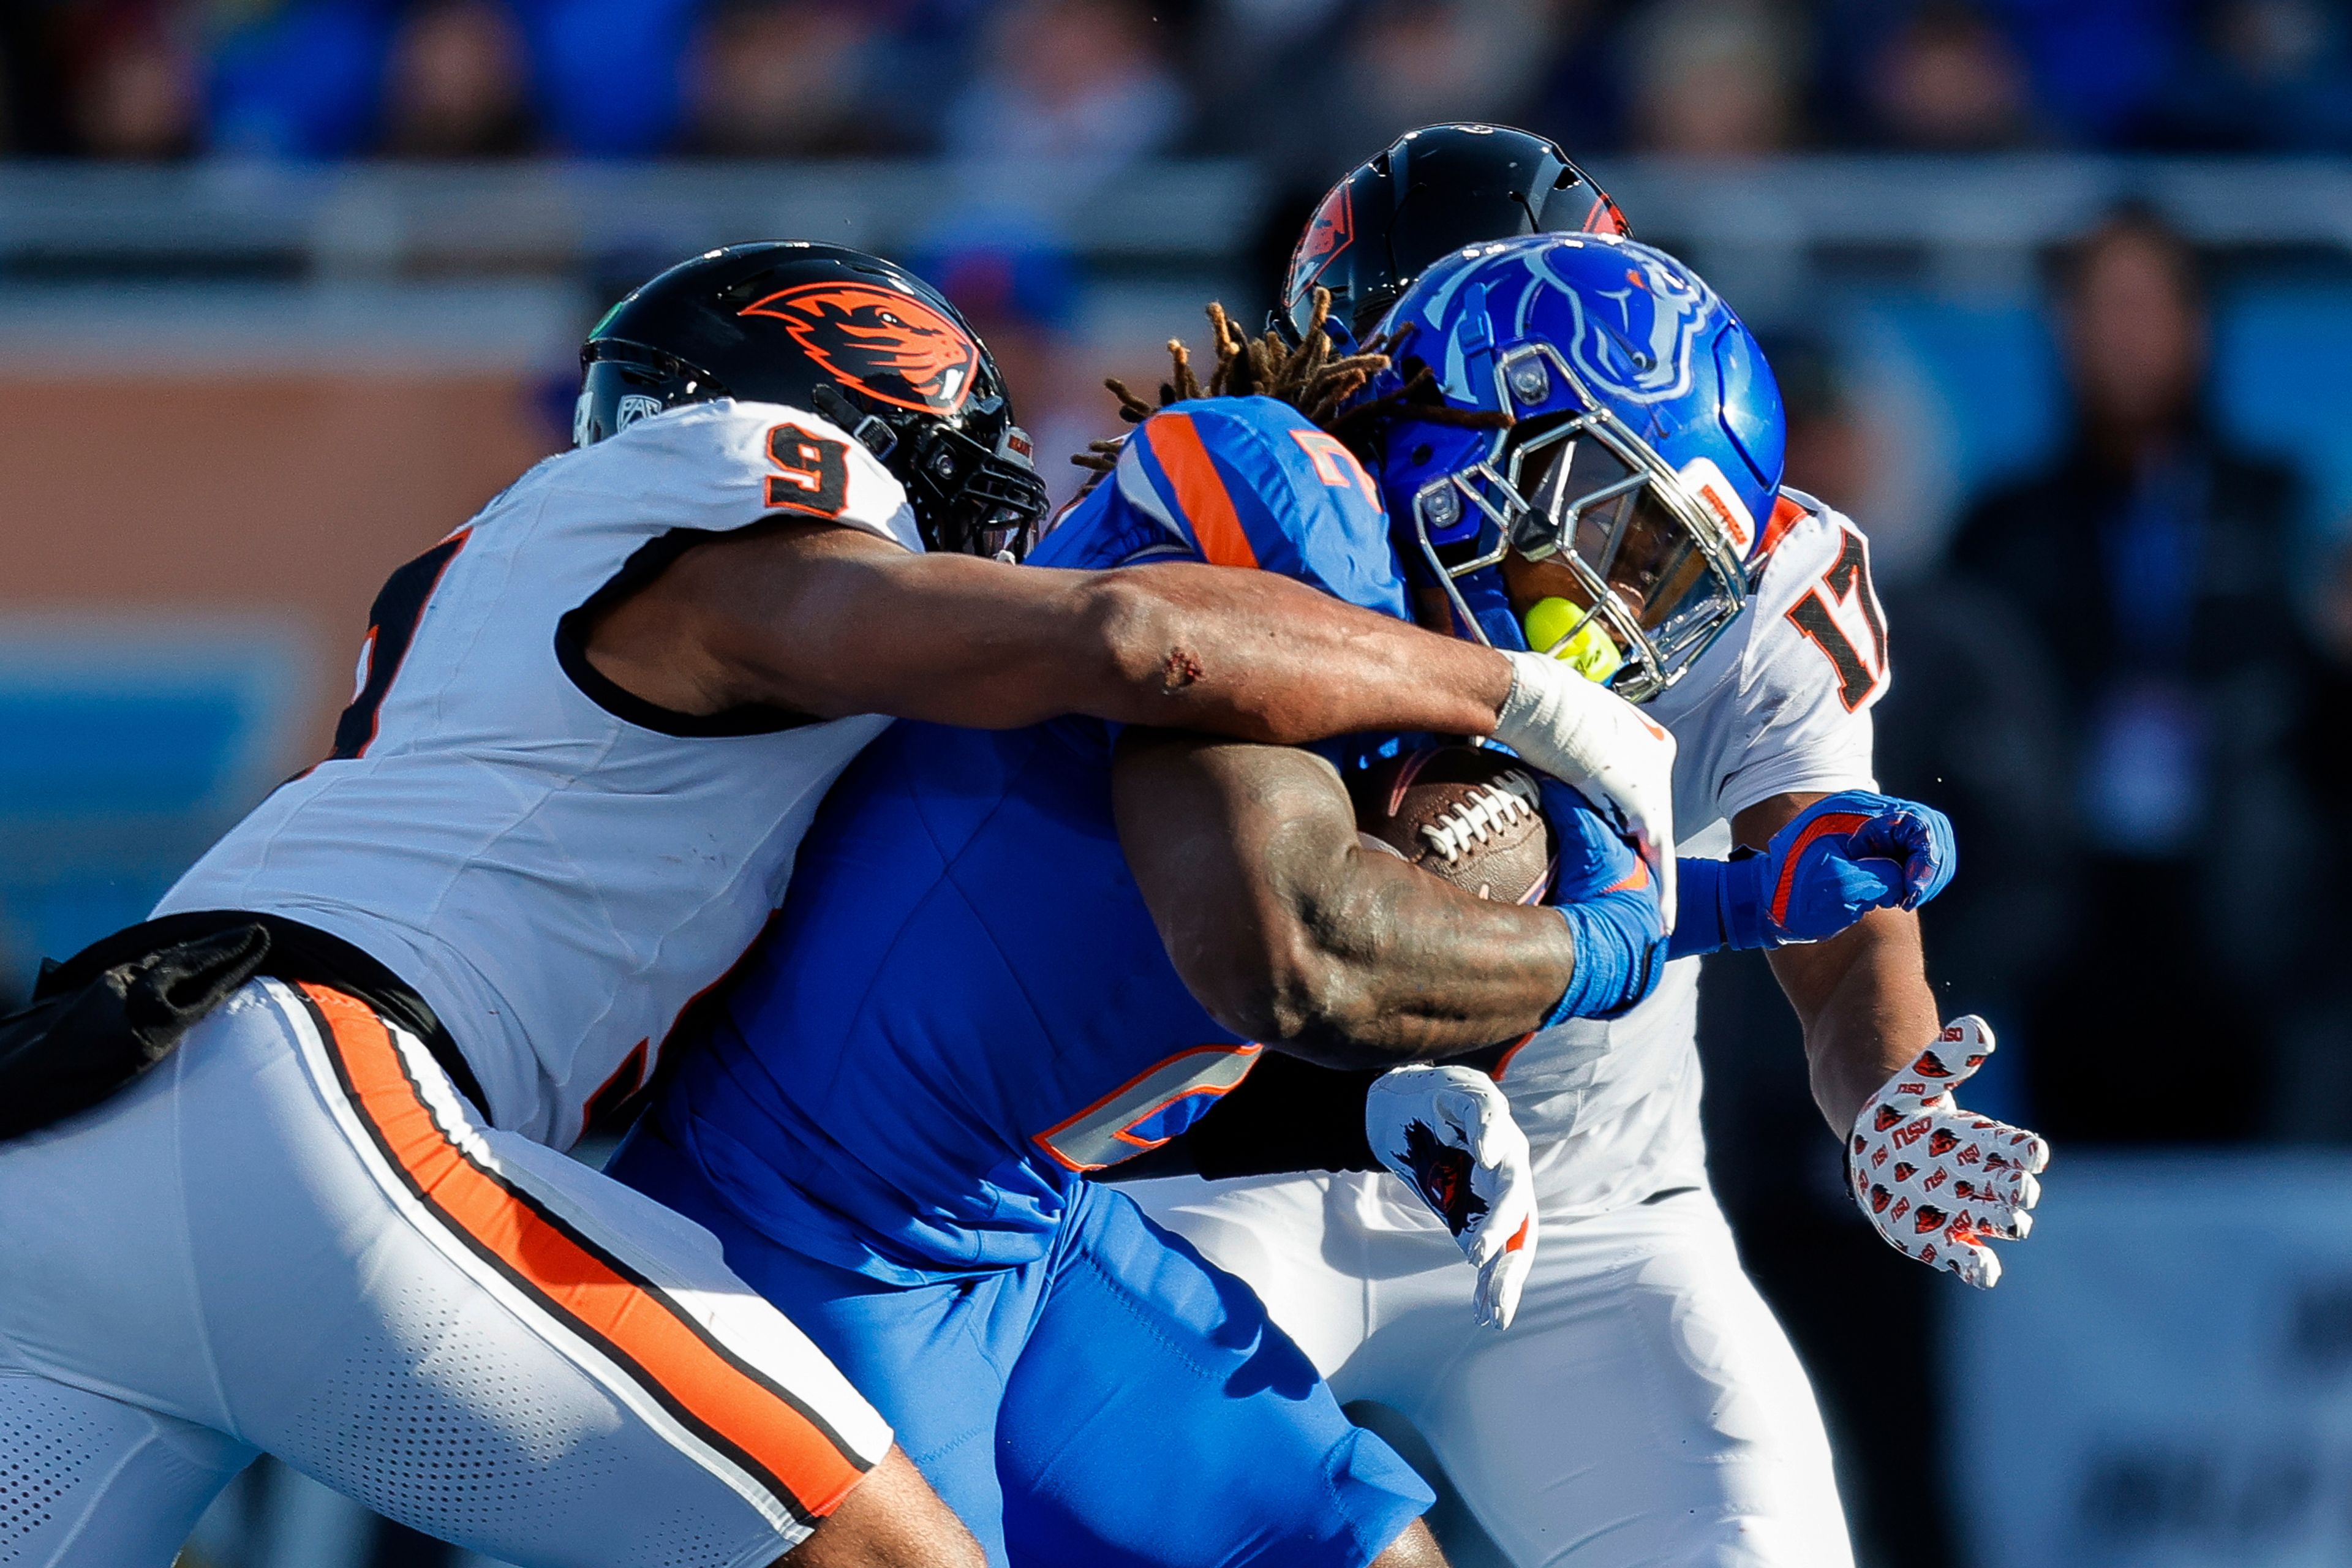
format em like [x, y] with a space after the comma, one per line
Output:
[1119, 1401]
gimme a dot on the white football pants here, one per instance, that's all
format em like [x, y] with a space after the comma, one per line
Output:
[1644, 1410]
[291, 1235]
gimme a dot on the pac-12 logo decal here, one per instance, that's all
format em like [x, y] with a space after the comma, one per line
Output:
[637, 405]
[888, 345]
[1638, 346]
[1327, 234]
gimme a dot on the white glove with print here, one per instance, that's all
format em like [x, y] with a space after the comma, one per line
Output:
[1934, 1180]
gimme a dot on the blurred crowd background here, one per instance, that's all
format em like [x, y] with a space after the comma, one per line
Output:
[2060, 293]
[1296, 81]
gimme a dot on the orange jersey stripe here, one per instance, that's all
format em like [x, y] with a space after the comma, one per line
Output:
[726, 1403]
[1200, 491]
[1786, 515]
[1639, 877]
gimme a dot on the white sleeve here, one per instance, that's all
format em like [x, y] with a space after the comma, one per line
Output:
[724, 465]
[1813, 663]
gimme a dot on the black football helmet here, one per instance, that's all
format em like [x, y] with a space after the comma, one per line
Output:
[860, 340]
[1433, 190]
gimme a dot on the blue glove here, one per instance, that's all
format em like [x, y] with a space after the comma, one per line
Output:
[1605, 892]
[1843, 856]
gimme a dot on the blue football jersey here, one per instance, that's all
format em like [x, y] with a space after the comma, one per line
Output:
[1237, 481]
[964, 1006]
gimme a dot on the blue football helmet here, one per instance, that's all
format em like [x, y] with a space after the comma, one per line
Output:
[1619, 510]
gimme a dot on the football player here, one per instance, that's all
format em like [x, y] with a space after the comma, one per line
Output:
[1009, 958]
[1646, 1407]
[588, 730]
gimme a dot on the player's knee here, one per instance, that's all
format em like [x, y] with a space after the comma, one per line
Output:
[892, 1519]
[1416, 1548]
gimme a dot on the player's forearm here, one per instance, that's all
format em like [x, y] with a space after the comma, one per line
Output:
[1287, 930]
[1866, 1007]
[1262, 658]
[834, 621]
[1404, 967]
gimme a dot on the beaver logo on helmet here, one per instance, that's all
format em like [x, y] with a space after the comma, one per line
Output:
[890, 346]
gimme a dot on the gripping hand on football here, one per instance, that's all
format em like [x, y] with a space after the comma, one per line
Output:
[1448, 1133]
[1936, 1180]
[1581, 732]
[1604, 891]
[1843, 856]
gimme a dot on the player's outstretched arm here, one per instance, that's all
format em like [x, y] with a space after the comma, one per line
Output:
[832, 621]
[1289, 932]
[1862, 995]
[1938, 1182]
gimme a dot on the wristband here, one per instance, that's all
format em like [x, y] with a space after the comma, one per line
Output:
[1615, 967]
[1699, 930]
[1723, 906]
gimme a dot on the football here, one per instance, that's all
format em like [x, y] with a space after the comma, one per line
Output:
[1470, 815]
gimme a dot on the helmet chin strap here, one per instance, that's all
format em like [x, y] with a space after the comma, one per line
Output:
[873, 432]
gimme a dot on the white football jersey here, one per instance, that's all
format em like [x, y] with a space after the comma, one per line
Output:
[1779, 704]
[556, 867]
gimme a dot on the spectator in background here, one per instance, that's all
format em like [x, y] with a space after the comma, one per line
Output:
[1717, 79]
[1081, 80]
[2270, 75]
[457, 83]
[1377, 71]
[1948, 81]
[13, 113]
[768, 79]
[2313, 1102]
[1253, 29]
[2149, 565]
[1417, 62]
[300, 79]
[135, 91]
[2100, 69]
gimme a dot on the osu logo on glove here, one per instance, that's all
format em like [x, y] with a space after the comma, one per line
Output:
[1914, 1116]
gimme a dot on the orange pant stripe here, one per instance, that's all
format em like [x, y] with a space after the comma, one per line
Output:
[731, 1407]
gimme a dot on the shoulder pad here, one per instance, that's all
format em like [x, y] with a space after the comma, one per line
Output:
[1248, 482]
[728, 464]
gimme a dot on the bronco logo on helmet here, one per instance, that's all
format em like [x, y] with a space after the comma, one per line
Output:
[1644, 356]
[890, 346]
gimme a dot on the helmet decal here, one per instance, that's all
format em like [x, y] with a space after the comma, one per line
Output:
[1707, 484]
[889, 345]
[1329, 233]
[1605, 216]
[1644, 356]
[637, 405]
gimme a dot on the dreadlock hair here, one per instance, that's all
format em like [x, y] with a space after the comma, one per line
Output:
[1308, 376]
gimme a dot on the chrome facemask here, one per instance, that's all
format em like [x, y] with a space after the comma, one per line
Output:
[1583, 491]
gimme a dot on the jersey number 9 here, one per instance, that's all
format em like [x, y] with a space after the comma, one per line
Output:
[815, 478]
